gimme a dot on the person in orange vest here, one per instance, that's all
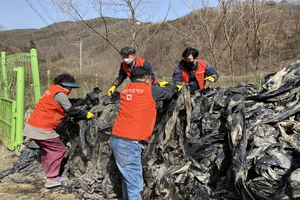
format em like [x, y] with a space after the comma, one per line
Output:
[130, 61]
[46, 116]
[194, 71]
[134, 125]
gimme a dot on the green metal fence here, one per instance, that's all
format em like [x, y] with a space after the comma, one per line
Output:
[19, 92]
[8, 123]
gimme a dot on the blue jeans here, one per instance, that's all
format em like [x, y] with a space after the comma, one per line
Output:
[128, 159]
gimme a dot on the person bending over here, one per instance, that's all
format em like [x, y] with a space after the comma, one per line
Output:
[47, 114]
[133, 126]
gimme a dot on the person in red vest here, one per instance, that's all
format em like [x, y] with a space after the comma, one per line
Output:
[130, 61]
[41, 126]
[134, 125]
[194, 71]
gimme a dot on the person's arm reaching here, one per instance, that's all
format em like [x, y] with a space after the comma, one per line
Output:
[159, 93]
[62, 99]
[177, 74]
[121, 77]
[211, 74]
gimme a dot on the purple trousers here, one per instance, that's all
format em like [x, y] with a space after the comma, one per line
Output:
[53, 152]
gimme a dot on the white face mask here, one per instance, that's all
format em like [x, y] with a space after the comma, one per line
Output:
[128, 60]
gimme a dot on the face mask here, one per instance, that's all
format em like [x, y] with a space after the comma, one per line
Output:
[190, 65]
[128, 60]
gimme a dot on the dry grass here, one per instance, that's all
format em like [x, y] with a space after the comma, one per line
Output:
[6, 158]
[24, 191]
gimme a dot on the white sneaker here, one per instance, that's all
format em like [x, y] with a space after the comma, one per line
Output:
[56, 182]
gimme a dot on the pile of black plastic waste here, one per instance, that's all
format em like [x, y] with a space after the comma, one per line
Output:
[219, 143]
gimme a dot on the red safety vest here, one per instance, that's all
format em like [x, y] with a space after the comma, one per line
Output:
[199, 73]
[139, 62]
[47, 114]
[137, 114]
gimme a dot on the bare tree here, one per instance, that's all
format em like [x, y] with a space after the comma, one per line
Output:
[233, 34]
[231, 29]
[134, 11]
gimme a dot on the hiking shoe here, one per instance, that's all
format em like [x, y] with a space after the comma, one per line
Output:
[56, 182]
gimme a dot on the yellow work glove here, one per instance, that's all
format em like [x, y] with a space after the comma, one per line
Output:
[179, 87]
[111, 90]
[89, 115]
[210, 79]
[163, 84]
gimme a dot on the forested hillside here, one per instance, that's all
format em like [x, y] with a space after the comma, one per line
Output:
[238, 38]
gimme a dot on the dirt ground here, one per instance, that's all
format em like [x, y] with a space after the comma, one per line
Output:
[21, 191]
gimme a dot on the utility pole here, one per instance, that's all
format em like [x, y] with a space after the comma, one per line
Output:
[80, 53]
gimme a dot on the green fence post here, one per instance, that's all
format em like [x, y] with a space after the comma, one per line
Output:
[20, 106]
[35, 75]
[260, 79]
[48, 78]
[97, 80]
[11, 143]
[4, 75]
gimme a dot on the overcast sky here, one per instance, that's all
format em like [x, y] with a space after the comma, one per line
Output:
[23, 14]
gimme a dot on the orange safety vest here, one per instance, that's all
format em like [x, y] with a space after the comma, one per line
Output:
[199, 74]
[137, 114]
[47, 114]
[139, 62]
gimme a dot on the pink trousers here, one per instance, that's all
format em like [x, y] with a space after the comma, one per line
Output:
[53, 152]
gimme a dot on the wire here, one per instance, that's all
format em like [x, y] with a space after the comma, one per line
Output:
[37, 12]
[52, 28]
[45, 9]
[25, 14]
